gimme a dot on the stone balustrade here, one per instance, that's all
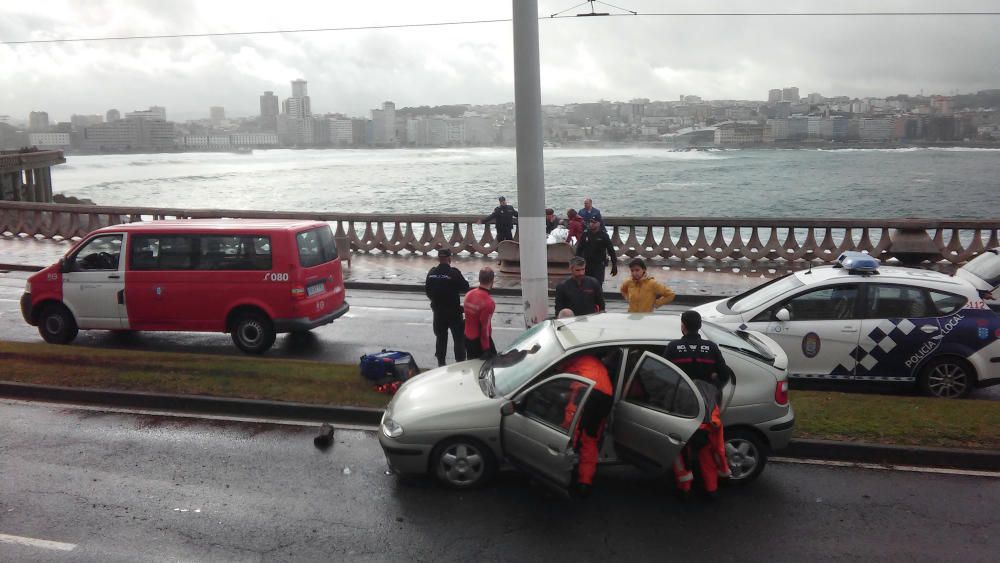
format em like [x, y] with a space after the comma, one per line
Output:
[754, 239]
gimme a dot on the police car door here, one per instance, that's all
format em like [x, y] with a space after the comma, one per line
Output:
[657, 414]
[901, 328]
[94, 283]
[819, 331]
[538, 426]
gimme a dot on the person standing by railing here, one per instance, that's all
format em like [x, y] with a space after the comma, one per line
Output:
[595, 247]
[505, 216]
[590, 212]
[643, 292]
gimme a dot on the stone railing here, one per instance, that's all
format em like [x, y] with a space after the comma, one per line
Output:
[755, 239]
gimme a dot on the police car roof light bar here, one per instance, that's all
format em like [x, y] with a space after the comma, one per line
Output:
[858, 263]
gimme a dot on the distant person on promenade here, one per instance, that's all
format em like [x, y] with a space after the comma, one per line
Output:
[479, 308]
[505, 216]
[558, 234]
[595, 247]
[589, 212]
[581, 293]
[551, 222]
[445, 286]
[643, 292]
[575, 226]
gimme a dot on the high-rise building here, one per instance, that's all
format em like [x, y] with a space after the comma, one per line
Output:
[384, 125]
[269, 111]
[38, 121]
[774, 95]
[217, 114]
[299, 89]
[112, 115]
[79, 122]
[790, 94]
[815, 98]
[154, 113]
[298, 106]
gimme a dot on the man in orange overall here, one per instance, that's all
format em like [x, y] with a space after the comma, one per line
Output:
[702, 361]
[592, 420]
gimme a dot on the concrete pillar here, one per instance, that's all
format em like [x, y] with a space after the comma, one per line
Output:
[530, 171]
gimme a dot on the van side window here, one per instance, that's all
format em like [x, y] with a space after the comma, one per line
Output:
[162, 252]
[316, 246]
[234, 252]
[100, 253]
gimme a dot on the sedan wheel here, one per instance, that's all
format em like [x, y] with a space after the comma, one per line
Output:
[946, 378]
[745, 454]
[464, 463]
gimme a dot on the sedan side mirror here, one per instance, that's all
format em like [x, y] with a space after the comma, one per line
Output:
[507, 408]
[783, 315]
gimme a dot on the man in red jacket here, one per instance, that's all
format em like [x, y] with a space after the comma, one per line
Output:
[479, 308]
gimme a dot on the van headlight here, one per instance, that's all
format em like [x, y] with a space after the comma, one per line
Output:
[27, 287]
[391, 429]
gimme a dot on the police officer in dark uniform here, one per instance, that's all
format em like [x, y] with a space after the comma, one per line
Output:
[699, 358]
[505, 217]
[445, 286]
[595, 247]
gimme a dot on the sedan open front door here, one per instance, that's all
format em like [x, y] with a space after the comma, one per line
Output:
[538, 431]
[657, 414]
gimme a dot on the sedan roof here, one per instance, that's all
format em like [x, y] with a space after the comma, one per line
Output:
[608, 328]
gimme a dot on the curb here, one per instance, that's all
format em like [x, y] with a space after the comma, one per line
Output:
[980, 460]
[681, 299]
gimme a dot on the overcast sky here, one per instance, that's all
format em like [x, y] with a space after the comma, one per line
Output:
[583, 59]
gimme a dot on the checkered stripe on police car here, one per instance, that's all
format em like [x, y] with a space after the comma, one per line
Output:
[876, 346]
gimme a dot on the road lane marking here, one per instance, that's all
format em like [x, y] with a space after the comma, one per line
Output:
[905, 468]
[32, 542]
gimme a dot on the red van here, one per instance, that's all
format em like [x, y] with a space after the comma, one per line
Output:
[252, 278]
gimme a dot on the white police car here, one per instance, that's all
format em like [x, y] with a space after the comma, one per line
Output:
[860, 321]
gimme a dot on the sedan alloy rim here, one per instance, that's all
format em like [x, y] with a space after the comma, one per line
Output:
[742, 457]
[461, 464]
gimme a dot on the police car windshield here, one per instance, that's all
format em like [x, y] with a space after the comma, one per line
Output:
[525, 358]
[763, 294]
[740, 342]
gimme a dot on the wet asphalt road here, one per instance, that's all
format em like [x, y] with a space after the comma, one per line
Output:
[377, 320]
[126, 487]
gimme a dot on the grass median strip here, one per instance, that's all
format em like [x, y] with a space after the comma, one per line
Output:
[827, 415]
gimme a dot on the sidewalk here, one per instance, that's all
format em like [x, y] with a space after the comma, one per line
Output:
[708, 280]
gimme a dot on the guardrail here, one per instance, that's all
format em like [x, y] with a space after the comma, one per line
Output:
[755, 239]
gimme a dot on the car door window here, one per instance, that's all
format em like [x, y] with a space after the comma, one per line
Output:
[824, 304]
[899, 301]
[100, 253]
[947, 303]
[548, 402]
[659, 386]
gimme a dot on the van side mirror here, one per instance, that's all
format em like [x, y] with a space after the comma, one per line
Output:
[64, 266]
[783, 315]
[508, 408]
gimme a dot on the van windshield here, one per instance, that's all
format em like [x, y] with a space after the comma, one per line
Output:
[316, 246]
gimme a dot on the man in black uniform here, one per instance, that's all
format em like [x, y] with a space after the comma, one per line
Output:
[699, 358]
[595, 247]
[504, 215]
[444, 286]
[580, 293]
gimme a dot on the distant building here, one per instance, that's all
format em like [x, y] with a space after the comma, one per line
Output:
[341, 132]
[253, 139]
[876, 128]
[739, 134]
[217, 114]
[774, 95]
[269, 111]
[815, 98]
[79, 122]
[38, 121]
[112, 115]
[299, 105]
[384, 126]
[299, 88]
[941, 105]
[296, 131]
[834, 128]
[790, 94]
[129, 134]
[794, 128]
[49, 140]
[154, 113]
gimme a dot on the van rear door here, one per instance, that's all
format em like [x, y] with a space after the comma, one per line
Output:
[319, 287]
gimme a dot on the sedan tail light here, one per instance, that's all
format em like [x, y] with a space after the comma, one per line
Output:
[781, 392]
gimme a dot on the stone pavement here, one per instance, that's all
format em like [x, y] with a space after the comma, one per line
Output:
[699, 279]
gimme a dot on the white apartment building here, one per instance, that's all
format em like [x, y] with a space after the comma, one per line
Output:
[341, 132]
[876, 128]
[154, 113]
[254, 139]
[49, 140]
[739, 134]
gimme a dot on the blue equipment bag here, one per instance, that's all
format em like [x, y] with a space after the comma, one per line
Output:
[387, 366]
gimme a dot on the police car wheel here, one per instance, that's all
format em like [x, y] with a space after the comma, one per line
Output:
[253, 332]
[947, 378]
[463, 463]
[746, 455]
[56, 325]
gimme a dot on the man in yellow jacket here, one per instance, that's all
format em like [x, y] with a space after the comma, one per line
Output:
[642, 292]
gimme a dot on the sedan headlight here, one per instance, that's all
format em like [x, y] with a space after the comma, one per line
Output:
[391, 429]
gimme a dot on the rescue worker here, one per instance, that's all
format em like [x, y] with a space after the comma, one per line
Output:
[445, 286]
[505, 216]
[595, 413]
[642, 292]
[702, 361]
[479, 308]
[595, 247]
[580, 293]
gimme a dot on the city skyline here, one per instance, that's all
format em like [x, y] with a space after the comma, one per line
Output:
[583, 59]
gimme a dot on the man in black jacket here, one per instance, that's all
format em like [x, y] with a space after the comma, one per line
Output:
[595, 247]
[580, 293]
[445, 286]
[504, 215]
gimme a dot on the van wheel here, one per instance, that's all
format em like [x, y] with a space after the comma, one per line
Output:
[746, 455]
[56, 325]
[253, 332]
[947, 378]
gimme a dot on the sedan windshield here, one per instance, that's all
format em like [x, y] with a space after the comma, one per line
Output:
[761, 295]
[526, 357]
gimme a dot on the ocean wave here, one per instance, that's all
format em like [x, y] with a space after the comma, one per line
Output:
[893, 150]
